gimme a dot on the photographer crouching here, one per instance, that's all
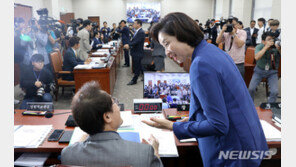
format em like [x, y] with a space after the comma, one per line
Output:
[235, 40]
[267, 62]
[36, 80]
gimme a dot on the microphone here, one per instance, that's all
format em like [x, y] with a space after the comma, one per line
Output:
[50, 114]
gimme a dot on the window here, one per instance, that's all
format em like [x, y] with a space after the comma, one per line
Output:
[262, 8]
[218, 9]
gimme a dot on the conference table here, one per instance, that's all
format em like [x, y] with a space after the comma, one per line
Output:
[188, 152]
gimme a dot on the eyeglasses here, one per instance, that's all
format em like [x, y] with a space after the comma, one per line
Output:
[115, 100]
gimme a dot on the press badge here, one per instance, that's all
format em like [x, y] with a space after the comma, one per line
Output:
[267, 67]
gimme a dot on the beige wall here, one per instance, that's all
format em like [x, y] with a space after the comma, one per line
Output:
[113, 11]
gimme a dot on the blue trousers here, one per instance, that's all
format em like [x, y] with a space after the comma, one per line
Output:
[46, 98]
[272, 79]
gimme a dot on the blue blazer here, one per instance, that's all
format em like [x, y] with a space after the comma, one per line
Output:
[222, 114]
[137, 44]
[124, 35]
[96, 42]
[70, 61]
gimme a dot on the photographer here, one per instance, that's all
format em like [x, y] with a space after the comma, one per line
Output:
[106, 32]
[234, 39]
[35, 80]
[114, 32]
[267, 62]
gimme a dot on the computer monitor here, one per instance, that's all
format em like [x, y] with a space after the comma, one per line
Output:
[172, 87]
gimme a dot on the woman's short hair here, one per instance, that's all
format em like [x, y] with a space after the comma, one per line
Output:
[179, 25]
[73, 41]
[89, 106]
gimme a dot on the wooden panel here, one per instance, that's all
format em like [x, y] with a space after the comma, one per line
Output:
[23, 11]
[67, 17]
[95, 19]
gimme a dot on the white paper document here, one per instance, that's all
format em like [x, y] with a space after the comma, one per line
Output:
[167, 144]
[187, 140]
[271, 133]
[32, 159]
[83, 66]
[78, 135]
[30, 136]
[127, 118]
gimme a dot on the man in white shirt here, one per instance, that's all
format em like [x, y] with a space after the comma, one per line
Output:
[261, 24]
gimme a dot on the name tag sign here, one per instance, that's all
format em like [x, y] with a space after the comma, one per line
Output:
[40, 106]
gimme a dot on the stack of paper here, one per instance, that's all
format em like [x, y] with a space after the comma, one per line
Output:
[30, 136]
[167, 145]
[100, 53]
[127, 118]
[32, 159]
[106, 46]
[78, 135]
[271, 133]
[83, 66]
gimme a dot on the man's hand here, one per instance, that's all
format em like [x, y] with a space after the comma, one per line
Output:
[159, 123]
[154, 143]
[38, 84]
[126, 46]
[269, 44]
[224, 28]
[233, 31]
[87, 61]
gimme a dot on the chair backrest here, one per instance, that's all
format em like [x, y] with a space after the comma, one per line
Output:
[221, 45]
[56, 61]
[250, 55]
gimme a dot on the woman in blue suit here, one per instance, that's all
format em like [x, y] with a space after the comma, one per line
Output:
[222, 115]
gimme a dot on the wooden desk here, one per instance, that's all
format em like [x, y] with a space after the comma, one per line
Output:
[105, 76]
[263, 115]
[57, 121]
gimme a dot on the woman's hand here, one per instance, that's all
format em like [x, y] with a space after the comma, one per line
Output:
[159, 123]
[184, 119]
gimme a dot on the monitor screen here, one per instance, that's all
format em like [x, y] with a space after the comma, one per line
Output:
[145, 11]
[172, 88]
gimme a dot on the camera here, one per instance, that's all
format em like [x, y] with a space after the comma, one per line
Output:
[229, 28]
[40, 92]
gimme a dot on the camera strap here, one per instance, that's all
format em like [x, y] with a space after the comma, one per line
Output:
[272, 61]
[36, 75]
[230, 43]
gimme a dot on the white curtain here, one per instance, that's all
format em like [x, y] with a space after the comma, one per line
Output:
[262, 9]
[219, 9]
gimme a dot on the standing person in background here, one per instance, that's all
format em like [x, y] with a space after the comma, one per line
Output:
[234, 44]
[137, 50]
[106, 32]
[252, 33]
[83, 34]
[268, 22]
[261, 24]
[158, 54]
[114, 32]
[131, 31]
[124, 30]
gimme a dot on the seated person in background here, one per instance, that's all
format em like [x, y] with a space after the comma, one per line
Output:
[174, 104]
[35, 80]
[71, 58]
[97, 41]
[267, 63]
[98, 115]
[165, 104]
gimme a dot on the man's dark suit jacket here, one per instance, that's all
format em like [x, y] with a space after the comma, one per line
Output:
[137, 44]
[70, 61]
[251, 41]
[214, 34]
[96, 42]
[124, 35]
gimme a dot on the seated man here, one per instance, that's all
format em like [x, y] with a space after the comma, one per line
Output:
[71, 58]
[97, 41]
[267, 63]
[98, 115]
[35, 80]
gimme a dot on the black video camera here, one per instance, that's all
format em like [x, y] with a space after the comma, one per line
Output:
[229, 28]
